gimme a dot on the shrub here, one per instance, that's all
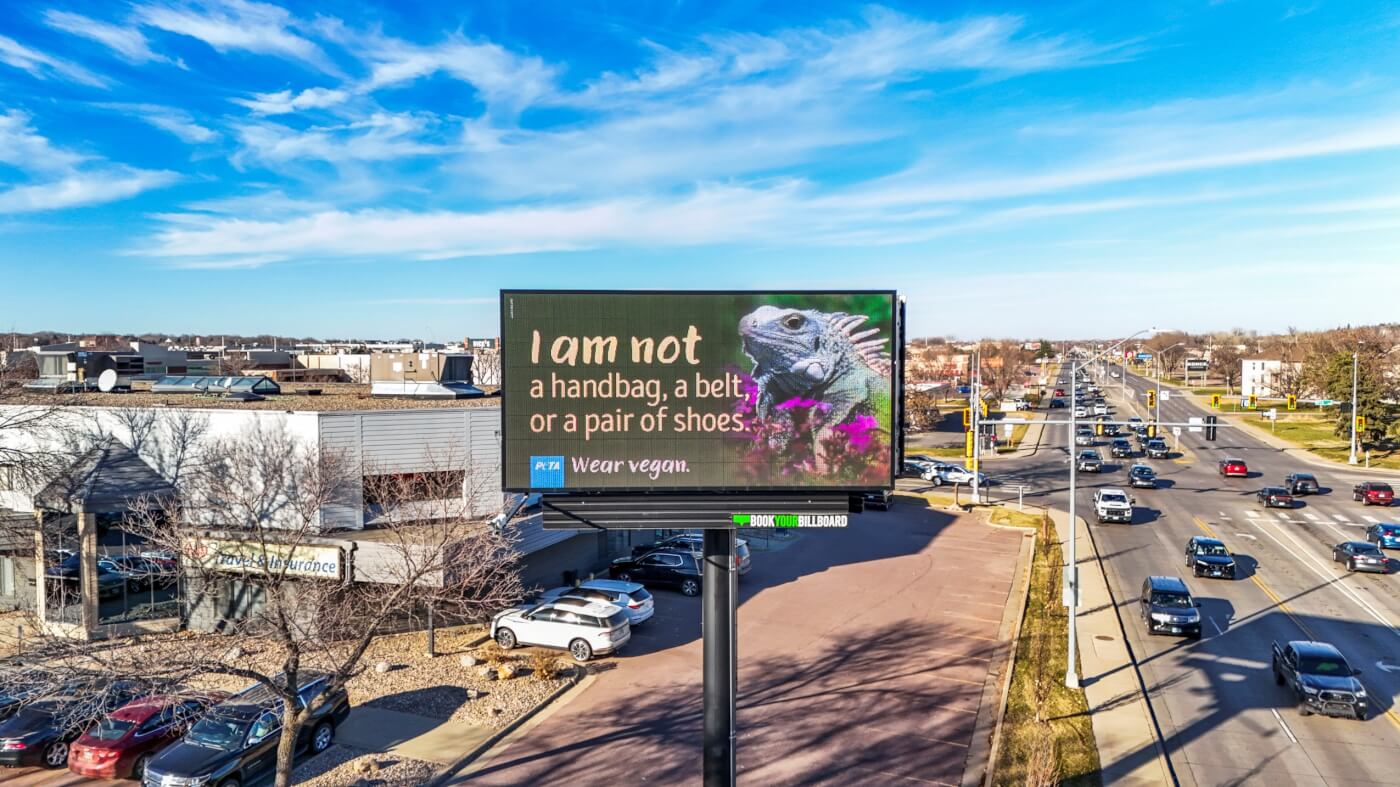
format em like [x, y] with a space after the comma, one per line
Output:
[545, 666]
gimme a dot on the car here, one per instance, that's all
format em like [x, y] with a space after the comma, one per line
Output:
[1373, 493]
[1134, 422]
[1056, 403]
[695, 542]
[1080, 411]
[1120, 448]
[924, 470]
[1089, 461]
[235, 742]
[1274, 497]
[1301, 484]
[677, 568]
[1111, 430]
[1156, 448]
[1114, 375]
[1384, 535]
[1166, 607]
[1320, 679]
[1233, 468]
[123, 743]
[1084, 436]
[582, 627]
[957, 474]
[1113, 505]
[110, 584]
[630, 597]
[1100, 409]
[1361, 556]
[879, 499]
[20, 685]
[40, 732]
[1208, 557]
[1060, 391]
[138, 572]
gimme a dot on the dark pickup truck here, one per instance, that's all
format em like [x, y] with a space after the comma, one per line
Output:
[1320, 678]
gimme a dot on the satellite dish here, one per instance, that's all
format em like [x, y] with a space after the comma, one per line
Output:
[107, 381]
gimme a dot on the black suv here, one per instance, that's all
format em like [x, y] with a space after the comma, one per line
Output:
[1157, 448]
[235, 743]
[1167, 607]
[677, 568]
[1121, 449]
[40, 732]
[1301, 484]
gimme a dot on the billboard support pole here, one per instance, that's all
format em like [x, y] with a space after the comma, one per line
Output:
[721, 665]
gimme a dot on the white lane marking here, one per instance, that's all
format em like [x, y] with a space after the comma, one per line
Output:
[1345, 536]
[1282, 516]
[1219, 630]
[1283, 724]
[1251, 513]
[1312, 516]
[1335, 580]
[1340, 518]
[1371, 519]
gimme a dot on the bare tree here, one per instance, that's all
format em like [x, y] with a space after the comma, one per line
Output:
[1002, 365]
[1225, 363]
[250, 510]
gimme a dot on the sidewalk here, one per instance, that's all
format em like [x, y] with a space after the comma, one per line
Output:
[409, 735]
[1129, 752]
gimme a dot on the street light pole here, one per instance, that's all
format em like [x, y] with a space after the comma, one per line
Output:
[1071, 673]
[1351, 460]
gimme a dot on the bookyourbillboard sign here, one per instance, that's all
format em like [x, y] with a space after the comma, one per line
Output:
[698, 391]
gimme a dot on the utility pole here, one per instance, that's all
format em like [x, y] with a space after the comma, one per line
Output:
[1072, 564]
[1351, 460]
[976, 405]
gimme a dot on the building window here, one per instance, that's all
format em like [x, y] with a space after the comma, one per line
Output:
[9, 477]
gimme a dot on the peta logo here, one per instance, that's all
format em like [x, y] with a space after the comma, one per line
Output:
[546, 472]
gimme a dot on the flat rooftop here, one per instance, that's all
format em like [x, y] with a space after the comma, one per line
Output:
[333, 397]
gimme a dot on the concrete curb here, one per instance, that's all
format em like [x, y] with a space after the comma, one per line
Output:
[986, 736]
[447, 772]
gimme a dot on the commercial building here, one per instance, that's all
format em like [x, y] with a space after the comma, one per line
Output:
[1270, 378]
[116, 446]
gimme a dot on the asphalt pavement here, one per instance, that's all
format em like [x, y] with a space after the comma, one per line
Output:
[1222, 718]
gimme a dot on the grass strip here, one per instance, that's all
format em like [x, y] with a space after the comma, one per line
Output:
[1047, 738]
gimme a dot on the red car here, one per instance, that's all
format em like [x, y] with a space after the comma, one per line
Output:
[1373, 493]
[1059, 392]
[1234, 468]
[119, 746]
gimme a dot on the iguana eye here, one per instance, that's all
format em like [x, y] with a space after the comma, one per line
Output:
[793, 321]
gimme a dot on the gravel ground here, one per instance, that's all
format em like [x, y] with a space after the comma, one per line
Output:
[346, 766]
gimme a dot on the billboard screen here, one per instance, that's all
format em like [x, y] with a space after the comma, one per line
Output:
[698, 391]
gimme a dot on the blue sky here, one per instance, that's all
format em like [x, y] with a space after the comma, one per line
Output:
[363, 169]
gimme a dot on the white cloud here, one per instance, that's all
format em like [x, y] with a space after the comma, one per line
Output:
[229, 25]
[24, 149]
[85, 188]
[380, 137]
[42, 66]
[504, 79]
[285, 101]
[175, 121]
[128, 42]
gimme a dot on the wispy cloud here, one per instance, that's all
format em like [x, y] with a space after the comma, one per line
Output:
[286, 101]
[237, 25]
[128, 42]
[25, 149]
[86, 188]
[43, 66]
[380, 137]
[173, 120]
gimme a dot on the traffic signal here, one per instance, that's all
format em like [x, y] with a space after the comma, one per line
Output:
[1098, 427]
[983, 404]
[1253, 401]
[1360, 423]
[1210, 427]
[967, 417]
[1151, 398]
[1151, 431]
[1215, 401]
[1292, 402]
[969, 443]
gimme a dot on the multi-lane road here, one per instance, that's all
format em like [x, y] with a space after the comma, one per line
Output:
[1223, 721]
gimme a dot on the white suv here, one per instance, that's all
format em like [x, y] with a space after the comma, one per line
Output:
[630, 597]
[584, 628]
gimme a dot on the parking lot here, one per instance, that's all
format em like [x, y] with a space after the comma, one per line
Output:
[863, 656]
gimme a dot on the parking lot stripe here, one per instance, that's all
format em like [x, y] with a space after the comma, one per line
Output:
[1283, 724]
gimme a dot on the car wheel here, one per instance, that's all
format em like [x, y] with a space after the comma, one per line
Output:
[230, 783]
[138, 770]
[625, 576]
[580, 650]
[1304, 710]
[1351, 565]
[1361, 715]
[56, 754]
[937, 480]
[505, 638]
[133, 586]
[690, 587]
[1278, 676]
[322, 737]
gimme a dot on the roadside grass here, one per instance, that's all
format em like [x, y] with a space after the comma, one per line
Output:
[1314, 433]
[1232, 405]
[1046, 735]
[1010, 516]
[1018, 433]
[945, 452]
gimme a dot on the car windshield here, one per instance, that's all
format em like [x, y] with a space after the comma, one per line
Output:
[1173, 600]
[218, 732]
[110, 729]
[1304, 479]
[1141, 470]
[1323, 665]
[1364, 548]
[617, 619]
[1212, 549]
[1114, 498]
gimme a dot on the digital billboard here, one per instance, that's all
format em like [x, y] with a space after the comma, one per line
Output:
[698, 391]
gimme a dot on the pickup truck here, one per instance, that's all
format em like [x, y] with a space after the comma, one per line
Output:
[1113, 505]
[1320, 679]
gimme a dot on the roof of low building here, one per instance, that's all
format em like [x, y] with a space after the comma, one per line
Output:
[108, 478]
[294, 397]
